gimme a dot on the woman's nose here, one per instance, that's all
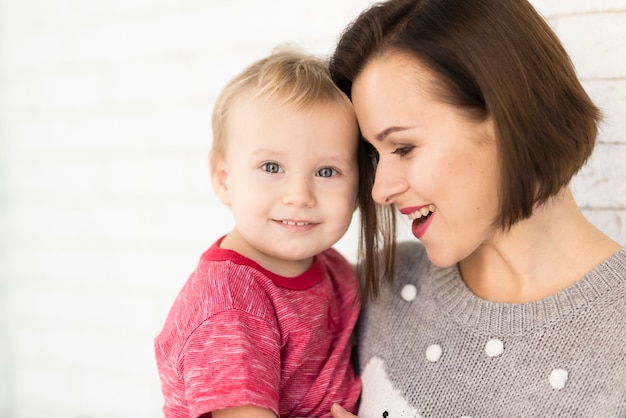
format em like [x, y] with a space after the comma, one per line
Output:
[388, 183]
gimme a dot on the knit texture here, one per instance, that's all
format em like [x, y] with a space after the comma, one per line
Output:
[562, 356]
[238, 334]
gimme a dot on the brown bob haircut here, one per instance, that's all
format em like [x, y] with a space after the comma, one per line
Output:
[496, 59]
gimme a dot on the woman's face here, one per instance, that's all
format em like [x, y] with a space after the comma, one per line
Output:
[436, 164]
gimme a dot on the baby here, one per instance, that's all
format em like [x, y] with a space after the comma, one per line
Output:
[262, 327]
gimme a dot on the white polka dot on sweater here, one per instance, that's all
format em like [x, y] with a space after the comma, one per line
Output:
[434, 352]
[409, 293]
[558, 378]
[494, 347]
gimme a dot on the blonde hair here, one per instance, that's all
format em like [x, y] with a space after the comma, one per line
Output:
[289, 74]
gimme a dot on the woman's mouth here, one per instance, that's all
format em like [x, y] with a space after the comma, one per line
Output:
[420, 218]
[423, 212]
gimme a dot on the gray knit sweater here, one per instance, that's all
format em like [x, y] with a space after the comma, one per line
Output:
[428, 347]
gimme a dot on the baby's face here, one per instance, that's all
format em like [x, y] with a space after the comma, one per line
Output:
[290, 176]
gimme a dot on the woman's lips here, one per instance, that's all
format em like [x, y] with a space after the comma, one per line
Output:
[416, 212]
[422, 217]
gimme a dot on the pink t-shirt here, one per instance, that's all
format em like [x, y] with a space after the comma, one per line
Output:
[238, 334]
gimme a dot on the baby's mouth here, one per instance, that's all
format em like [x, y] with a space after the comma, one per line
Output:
[294, 223]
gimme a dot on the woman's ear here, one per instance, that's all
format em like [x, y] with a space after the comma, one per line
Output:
[219, 179]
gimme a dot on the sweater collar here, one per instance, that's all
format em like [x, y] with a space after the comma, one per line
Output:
[457, 301]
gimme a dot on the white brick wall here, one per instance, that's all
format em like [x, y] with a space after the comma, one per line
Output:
[105, 201]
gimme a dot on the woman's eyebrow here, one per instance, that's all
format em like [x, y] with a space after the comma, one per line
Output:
[384, 134]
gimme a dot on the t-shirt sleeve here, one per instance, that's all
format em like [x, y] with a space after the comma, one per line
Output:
[232, 359]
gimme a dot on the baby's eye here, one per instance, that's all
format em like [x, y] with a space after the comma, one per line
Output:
[271, 167]
[404, 150]
[326, 172]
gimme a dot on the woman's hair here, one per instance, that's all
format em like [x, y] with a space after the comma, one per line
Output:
[288, 75]
[496, 59]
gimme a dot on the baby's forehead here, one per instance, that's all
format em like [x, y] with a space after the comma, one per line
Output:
[271, 122]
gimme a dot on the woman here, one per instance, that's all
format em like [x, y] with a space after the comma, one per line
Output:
[512, 304]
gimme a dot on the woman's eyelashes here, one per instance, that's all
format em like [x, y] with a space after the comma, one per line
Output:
[403, 150]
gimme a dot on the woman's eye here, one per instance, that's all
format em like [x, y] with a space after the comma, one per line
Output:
[326, 172]
[401, 151]
[271, 167]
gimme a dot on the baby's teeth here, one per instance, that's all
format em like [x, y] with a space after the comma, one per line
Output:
[424, 211]
[292, 223]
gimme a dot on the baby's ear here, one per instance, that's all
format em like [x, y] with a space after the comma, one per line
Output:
[219, 179]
